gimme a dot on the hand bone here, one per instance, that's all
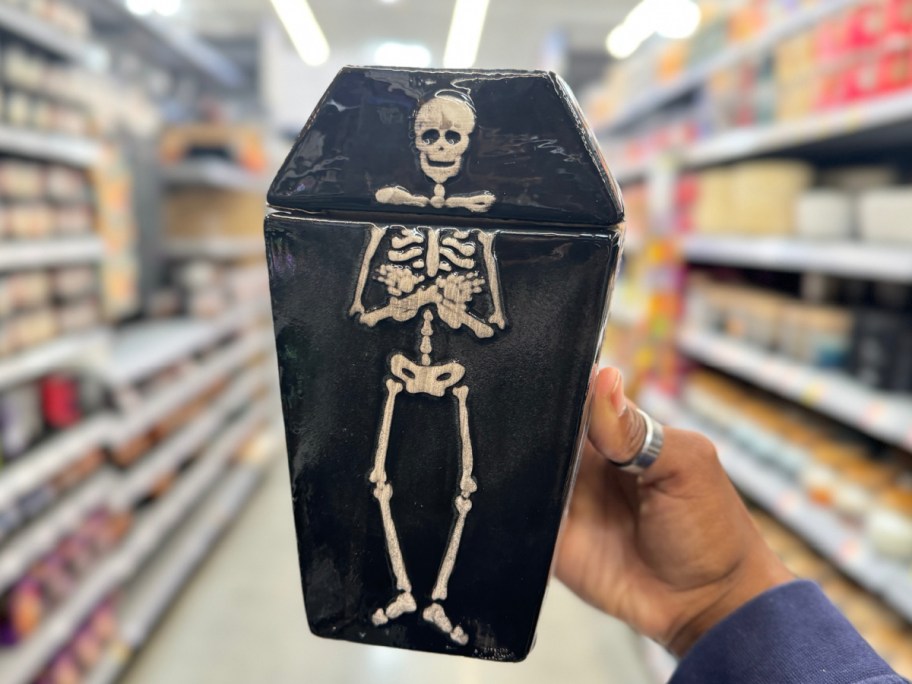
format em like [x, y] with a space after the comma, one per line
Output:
[399, 280]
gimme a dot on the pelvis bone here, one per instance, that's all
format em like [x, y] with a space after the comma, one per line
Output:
[433, 380]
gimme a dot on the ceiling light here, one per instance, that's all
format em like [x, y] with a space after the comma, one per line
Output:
[389, 2]
[141, 7]
[303, 30]
[668, 18]
[168, 8]
[465, 33]
[402, 55]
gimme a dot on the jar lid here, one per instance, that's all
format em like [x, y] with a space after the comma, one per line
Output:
[443, 145]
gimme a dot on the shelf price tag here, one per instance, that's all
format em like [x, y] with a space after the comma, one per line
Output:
[813, 392]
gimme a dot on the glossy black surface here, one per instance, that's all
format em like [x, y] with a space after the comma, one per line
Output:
[530, 149]
[528, 388]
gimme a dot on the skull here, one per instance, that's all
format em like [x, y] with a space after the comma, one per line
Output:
[442, 128]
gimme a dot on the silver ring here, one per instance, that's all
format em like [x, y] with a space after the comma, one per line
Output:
[649, 452]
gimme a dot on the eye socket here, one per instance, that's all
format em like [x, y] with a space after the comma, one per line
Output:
[443, 377]
[452, 137]
[408, 373]
[430, 136]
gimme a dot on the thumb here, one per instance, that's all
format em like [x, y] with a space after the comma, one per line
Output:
[618, 431]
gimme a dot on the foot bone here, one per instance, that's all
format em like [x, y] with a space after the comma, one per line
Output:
[435, 615]
[402, 604]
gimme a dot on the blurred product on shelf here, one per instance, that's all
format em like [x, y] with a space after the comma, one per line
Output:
[67, 16]
[872, 340]
[759, 64]
[850, 203]
[868, 485]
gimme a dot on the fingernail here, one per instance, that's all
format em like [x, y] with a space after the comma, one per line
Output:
[618, 398]
[606, 382]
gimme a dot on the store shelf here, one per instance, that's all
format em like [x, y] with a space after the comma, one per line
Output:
[162, 582]
[822, 529]
[54, 147]
[815, 129]
[51, 355]
[49, 458]
[220, 248]
[141, 478]
[696, 77]
[183, 390]
[215, 173]
[41, 34]
[144, 348]
[882, 415]
[42, 253]
[851, 259]
[162, 42]
[40, 536]
[21, 664]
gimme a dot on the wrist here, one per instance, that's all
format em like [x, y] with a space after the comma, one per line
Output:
[755, 575]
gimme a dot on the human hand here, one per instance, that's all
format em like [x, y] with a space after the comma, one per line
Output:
[670, 552]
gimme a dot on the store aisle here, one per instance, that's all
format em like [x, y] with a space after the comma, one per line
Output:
[241, 621]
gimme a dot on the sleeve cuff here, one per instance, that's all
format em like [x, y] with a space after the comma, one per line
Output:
[791, 633]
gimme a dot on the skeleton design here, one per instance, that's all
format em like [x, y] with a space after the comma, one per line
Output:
[442, 128]
[431, 271]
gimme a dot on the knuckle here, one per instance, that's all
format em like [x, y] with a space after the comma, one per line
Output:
[702, 447]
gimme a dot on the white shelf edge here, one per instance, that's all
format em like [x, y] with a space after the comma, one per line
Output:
[882, 415]
[21, 664]
[697, 76]
[815, 128]
[854, 259]
[215, 173]
[42, 34]
[822, 529]
[164, 458]
[38, 253]
[28, 364]
[221, 248]
[30, 543]
[149, 347]
[185, 388]
[50, 457]
[81, 152]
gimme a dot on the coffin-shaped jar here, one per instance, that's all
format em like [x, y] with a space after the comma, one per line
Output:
[441, 249]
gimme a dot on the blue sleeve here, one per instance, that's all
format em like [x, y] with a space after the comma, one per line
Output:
[791, 634]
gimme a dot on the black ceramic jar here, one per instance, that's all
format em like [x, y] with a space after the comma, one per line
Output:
[441, 251]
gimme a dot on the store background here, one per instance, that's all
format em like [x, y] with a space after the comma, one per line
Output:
[766, 299]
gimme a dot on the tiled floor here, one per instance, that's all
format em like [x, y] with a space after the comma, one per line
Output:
[241, 621]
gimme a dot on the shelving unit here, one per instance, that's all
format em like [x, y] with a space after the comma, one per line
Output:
[888, 263]
[146, 347]
[41, 34]
[42, 253]
[164, 44]
[885, 416]
[54, 147]
[21, 665]
[163, 580]
[52, 355]
[844, 546]
[696, 77]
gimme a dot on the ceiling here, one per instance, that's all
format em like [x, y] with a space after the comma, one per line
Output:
[515, 33]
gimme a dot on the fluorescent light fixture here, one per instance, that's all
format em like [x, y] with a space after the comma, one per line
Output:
[402, 54]
[668, 18]
[168, 8]
[389, 2]
[465, 33]
[303, 30]
[141, 7]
